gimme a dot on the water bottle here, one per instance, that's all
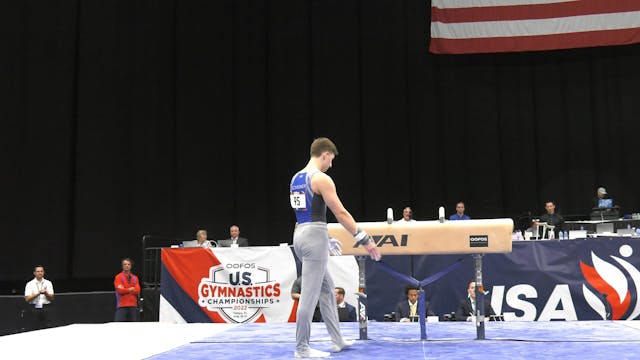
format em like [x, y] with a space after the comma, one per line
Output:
[638, 231]
[566, 235]
[560, 235]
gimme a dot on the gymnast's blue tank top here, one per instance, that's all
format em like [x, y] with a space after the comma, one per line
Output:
[307, 205]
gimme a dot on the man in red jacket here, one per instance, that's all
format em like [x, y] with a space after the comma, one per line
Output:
[127, 291]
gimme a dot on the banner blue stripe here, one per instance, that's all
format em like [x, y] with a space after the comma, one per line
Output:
[180, 300]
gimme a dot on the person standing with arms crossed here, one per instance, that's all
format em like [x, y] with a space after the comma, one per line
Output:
[311, 191]
[127, 288]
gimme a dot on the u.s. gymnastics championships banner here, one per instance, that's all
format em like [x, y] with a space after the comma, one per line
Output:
[232, 285]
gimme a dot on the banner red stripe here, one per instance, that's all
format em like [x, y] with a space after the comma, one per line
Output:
[536, 11]
[188, 266]
[294, 312]
[534, 43]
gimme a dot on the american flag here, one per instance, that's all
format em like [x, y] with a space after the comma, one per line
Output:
[487, 26]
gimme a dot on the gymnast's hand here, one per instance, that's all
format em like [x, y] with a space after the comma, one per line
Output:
[372, 249]
[367, 242]
[335, 248]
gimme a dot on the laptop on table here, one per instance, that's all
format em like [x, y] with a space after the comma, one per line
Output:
[225, 243]
[605, 203]
[190, 243]
[604, 229]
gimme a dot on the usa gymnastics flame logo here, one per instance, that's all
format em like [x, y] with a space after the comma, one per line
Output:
[611, 286]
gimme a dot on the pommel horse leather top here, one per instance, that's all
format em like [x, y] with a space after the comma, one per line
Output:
[430, 237]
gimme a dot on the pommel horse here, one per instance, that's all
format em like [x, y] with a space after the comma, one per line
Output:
[476, 237]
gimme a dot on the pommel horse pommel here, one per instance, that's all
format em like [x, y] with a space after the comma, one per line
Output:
[475, 237]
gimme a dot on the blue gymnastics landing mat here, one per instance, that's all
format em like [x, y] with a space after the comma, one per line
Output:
[504, 340]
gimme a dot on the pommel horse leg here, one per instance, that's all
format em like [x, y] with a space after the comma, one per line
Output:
[479, 297]
[422, 310]
[362, 298]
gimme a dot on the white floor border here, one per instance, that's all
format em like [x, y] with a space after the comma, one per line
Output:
[106, 341]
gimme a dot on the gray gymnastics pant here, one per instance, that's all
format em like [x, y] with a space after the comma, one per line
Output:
[310, 242]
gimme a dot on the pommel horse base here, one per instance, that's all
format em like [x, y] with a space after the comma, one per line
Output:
[476, 237]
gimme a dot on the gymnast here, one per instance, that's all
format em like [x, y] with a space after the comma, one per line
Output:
[311, 191]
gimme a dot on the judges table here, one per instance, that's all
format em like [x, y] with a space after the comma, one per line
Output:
[591, 225]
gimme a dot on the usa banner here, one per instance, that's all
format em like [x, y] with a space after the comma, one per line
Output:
[230, 285]
[587, 279]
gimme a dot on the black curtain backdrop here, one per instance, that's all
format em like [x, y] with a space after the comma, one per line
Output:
[124, 118]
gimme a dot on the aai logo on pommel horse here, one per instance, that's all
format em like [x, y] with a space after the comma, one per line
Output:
[382, 240]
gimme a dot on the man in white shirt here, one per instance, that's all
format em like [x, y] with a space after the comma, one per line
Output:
[407, 215]
[38, 293]
[201, 237]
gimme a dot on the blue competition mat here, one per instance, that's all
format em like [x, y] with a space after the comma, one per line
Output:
[504, 340]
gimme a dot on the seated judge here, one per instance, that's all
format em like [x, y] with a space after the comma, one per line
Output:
[407, 215]
[407, 309]
[459, 214]
[467, 308]
[551, 217]
[201, 237]
[346, 311]
[601, 194]
[603, 206]
[234, 238]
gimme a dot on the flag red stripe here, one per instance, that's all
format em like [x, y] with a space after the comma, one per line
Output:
[533, 43]
[535, 11]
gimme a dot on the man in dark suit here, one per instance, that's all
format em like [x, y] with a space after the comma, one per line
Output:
[234, 237]
[407, 310]
[346, 312]
[467, 307]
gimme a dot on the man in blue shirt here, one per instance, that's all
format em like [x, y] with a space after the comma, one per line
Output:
[459, 215]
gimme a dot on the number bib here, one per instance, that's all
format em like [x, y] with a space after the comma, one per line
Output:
[298, 200]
